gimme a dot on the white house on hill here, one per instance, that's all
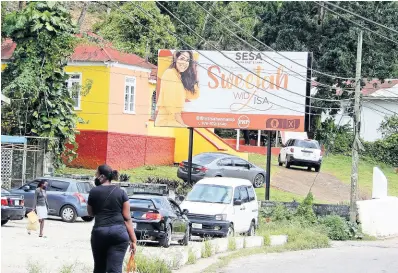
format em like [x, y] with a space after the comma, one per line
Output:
[378, 101]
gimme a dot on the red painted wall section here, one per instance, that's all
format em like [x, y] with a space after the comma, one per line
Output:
[92, 149]
[127, 151]
[122, 151]
[258, 150]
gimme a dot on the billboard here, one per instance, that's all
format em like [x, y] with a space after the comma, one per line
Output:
[231, 90]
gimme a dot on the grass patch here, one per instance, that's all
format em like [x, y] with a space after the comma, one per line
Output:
[35, 267]
[191, 256]
[149, 265]
[340, 166]
[207, 250]
[231, 244]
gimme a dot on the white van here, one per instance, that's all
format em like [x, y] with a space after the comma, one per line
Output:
[222, 206]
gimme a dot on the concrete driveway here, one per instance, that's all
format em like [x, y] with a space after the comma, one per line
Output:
[347, 257]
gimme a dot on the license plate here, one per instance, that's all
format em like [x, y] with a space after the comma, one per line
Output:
[134, 225]
[307, 154]
[198, 226]
[16, 202]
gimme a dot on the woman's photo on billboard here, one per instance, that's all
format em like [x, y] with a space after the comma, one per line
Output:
[179, 83]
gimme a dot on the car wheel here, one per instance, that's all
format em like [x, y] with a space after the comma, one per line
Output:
[87, 218]
[279, 161]
[231, 231]
[318, 168]
[166, 241]
[185, 241]
[258, 180]
[252, 230]
[287, 164]
[68, 214]
[309, 169]
[3, 222]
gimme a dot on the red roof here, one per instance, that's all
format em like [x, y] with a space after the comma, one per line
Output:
[93, 53]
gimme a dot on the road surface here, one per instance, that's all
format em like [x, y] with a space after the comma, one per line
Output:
[347, 257]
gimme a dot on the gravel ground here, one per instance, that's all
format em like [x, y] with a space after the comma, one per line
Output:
[65, 244]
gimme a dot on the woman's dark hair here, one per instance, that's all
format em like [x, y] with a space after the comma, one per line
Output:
[189, 77]
[107, 171]
[41, 183]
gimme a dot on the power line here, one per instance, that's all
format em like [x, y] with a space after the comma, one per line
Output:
[262, 53]
[359, 25]
[361, 17]
[150, 16]
[172, 14]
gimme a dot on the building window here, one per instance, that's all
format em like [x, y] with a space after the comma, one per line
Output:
[129, 95]
[74, 85]
[153, 106]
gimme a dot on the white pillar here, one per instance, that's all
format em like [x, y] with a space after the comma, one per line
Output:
[276, 139]
[259, 138]
[237, 139]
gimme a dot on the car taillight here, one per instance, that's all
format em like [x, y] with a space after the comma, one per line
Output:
[181, 164]
[151, 216]
[203, 169]
[4, 202]
[292, 150]
[80, 197]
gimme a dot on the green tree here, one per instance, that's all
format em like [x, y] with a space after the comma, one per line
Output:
[35, 78]
[389, 126]
[304, 26]
[129, 36]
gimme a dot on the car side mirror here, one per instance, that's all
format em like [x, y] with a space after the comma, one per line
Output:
[181, 198]
[26, 188]
[248, 166]
[185, 211]
[237, 202]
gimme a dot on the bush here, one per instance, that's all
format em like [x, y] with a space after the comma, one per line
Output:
[180, 187]
[384, 150]
[150, 265]
[124, 177]
[281, 213]
[339, 229]
[305, 213]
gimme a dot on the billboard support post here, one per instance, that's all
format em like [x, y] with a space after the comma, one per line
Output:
[190, 151]
[268, 171]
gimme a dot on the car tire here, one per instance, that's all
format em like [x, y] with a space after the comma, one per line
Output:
[166, 241]
[252, 229]
[259, 180]
[279, 161]
[87, 218]
[231, 231]
[185, 241]
[309, 169]
[68, 214]
[318, 168]
[287, 164]
[3, 222]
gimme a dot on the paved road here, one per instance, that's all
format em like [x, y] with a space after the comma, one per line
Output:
[347, 257]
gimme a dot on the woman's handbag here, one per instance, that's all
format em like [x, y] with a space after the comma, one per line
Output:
[32, 221]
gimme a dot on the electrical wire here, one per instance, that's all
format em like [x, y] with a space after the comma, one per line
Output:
[262, 53]
[361, 17]
[359, 25]
[248, 70]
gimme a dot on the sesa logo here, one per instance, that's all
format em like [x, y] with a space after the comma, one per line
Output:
[248, 56]
[243, 122]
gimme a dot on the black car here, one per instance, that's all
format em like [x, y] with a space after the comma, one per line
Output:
[159, 218]
[12, 206]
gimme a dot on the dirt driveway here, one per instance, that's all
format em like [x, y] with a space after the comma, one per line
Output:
[66, 244]
[299, 181]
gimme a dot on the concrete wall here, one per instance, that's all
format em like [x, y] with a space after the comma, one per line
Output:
[379, 217]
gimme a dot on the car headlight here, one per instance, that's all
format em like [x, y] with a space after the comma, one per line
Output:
[221, 217]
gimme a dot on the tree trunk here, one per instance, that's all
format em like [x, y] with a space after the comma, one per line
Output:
[82, 15]
[21, 5]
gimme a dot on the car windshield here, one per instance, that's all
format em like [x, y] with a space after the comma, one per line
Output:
[204, 159]
[307, 144]
[210, 194]
[142, 203]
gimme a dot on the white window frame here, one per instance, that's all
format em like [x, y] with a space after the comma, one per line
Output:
[70, 81]
[130, 84]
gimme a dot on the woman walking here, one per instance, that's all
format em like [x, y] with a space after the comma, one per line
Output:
[40, 204]
[113, 228]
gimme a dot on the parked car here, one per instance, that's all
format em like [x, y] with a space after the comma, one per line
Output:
[12, 206]
[67, 198]
[221, 165]
[158, 218]
[301, 152]
[222, 206]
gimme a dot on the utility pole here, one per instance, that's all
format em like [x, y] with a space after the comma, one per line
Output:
[355, 145]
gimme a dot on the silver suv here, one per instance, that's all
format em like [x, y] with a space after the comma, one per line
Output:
[301, 152]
